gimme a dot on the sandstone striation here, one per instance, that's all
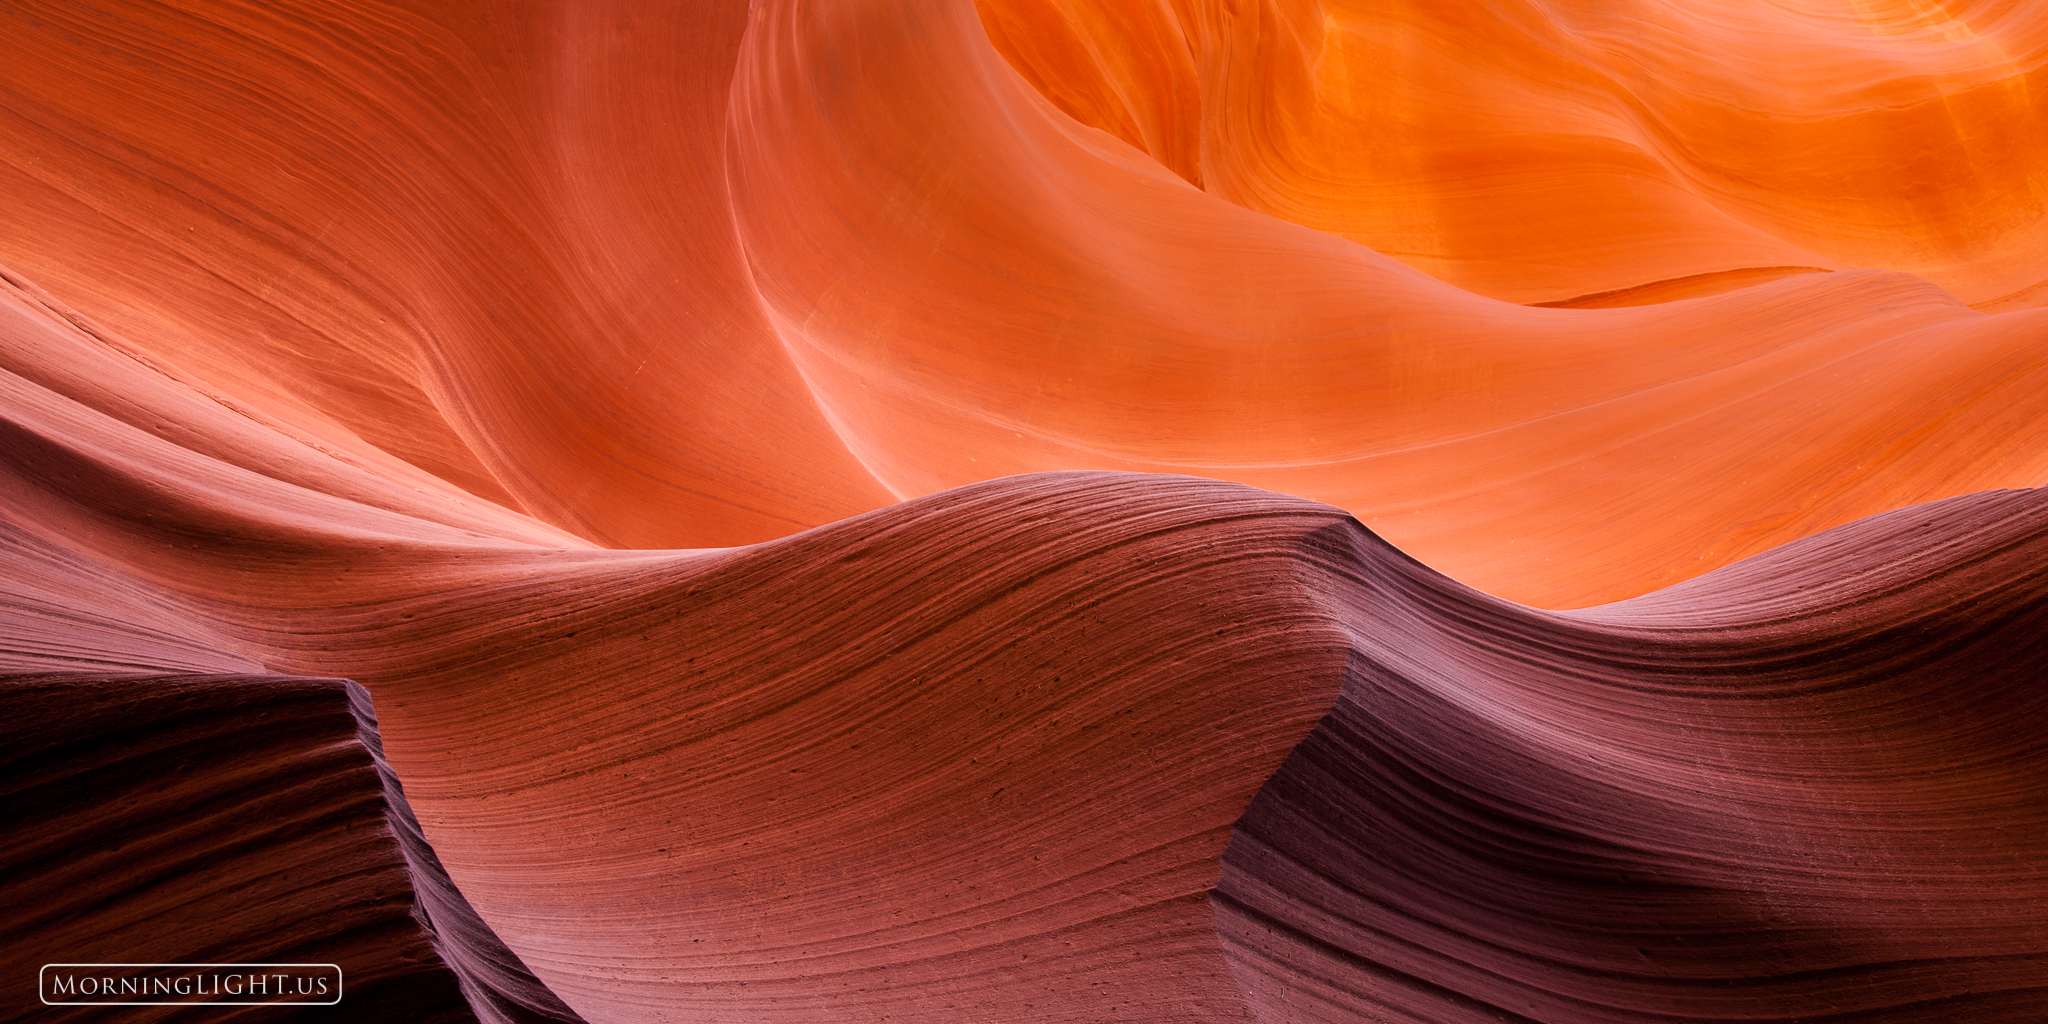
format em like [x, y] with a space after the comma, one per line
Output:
[221, 819]
[1031, 510]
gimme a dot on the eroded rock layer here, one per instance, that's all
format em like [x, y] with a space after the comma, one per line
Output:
[1806, 787]
[1035, 510]
[224, 819]
[981, 754]
[205, 819]
[497, 985]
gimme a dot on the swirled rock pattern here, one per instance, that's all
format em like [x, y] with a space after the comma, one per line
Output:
[667, 278]
[1552, 152]
[1037, 510]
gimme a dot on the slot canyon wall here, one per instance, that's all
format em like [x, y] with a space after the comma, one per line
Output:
[1030, 510]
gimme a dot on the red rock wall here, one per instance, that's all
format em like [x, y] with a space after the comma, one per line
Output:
[1060, 510]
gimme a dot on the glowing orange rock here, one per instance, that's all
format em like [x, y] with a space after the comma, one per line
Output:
[1540, 151]
[1052, 298]
[840, 257]
[647, 406]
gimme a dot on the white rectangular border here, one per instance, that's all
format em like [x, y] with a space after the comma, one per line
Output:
[338, 985]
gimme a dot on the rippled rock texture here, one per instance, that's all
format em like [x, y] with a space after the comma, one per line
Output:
[1037, 509]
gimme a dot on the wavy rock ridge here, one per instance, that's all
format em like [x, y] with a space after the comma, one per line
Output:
[1804, 787]
[806, 487]
[865, 810]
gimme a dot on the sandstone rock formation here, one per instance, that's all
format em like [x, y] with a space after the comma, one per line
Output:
[1039, 509]
[219, 819]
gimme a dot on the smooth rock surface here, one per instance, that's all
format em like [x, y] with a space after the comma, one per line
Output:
[681, 279]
